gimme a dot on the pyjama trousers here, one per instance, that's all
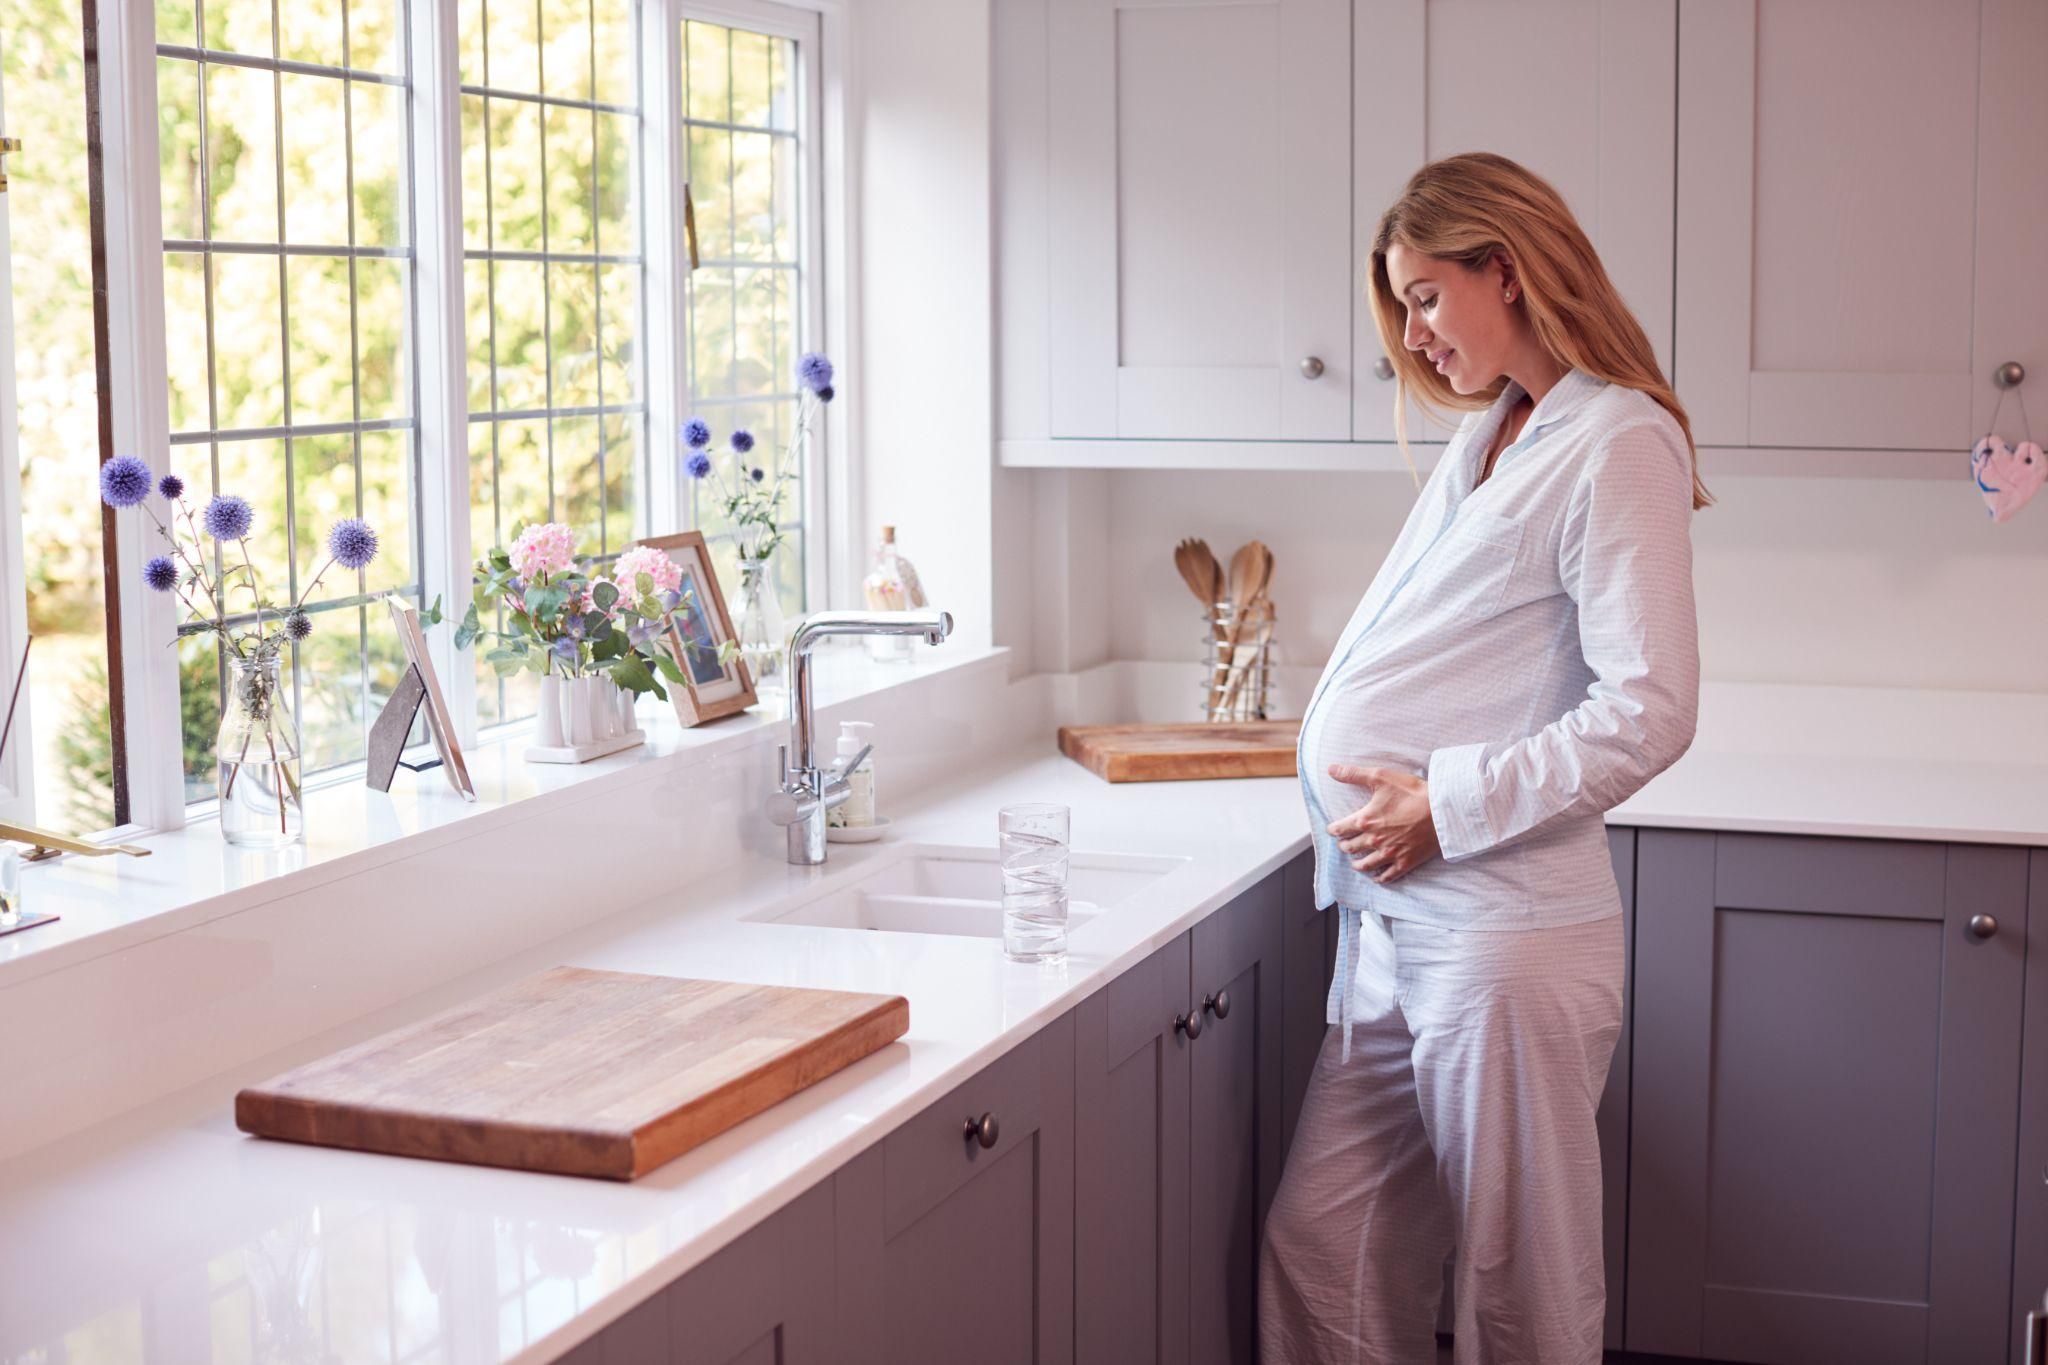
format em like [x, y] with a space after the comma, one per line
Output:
[1463, 1119]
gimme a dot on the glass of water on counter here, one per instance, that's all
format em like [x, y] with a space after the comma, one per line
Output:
[1034, 853]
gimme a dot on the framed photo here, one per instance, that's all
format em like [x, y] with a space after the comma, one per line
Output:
[406, 617]
[711, 689]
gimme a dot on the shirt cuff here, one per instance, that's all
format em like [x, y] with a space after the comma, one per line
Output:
[1457, 801]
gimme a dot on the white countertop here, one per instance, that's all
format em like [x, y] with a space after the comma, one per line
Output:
[149, 1236]
[166, 1234]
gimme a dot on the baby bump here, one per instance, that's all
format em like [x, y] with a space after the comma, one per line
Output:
[1341, 730]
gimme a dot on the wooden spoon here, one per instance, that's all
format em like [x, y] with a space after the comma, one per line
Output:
[1193, 573]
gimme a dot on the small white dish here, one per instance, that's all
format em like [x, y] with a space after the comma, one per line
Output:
[857, 834]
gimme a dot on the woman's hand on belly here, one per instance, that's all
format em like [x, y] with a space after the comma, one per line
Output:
[1393, 833]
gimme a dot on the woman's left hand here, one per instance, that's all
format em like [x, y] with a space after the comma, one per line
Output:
[1392, 833]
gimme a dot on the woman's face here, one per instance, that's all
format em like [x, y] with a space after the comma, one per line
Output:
[1457, 318]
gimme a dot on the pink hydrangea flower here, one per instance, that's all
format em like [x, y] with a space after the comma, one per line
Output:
[645, 559]
[548, 548]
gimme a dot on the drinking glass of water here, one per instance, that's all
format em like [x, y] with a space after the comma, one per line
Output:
[1034, 850]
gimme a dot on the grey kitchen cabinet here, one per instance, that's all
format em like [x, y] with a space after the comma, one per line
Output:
[1178, 1086]
[954, 1237]
[764, 1300]
[1234, 1152]
[1131, 1165]
[1825, 1098]
[2030, 1210]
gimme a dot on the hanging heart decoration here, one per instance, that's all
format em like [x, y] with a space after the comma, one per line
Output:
[2007, 477]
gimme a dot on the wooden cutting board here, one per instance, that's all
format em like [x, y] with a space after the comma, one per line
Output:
[1177, 753]
[575, 1071]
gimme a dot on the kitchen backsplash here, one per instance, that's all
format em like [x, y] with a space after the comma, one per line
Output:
[1875, 582]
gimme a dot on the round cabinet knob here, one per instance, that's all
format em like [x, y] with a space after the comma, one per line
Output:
[1383, 367]
[1312, 368]
[983, 1130]
[1218, 1004]
[1982, 926]
[1190, 1024]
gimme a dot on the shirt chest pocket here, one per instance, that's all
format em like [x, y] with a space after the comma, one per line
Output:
[1478, 558]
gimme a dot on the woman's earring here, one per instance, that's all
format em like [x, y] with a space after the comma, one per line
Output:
[1508, 296]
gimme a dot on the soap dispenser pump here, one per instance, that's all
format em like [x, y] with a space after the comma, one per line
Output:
[858, 810]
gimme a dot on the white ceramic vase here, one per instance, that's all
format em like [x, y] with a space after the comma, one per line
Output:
[581, 719]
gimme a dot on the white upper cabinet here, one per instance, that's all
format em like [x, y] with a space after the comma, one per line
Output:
[1198, 204]
[1861, 199]
[1579, 91]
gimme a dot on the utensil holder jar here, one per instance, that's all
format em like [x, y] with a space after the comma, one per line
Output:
[1235, 677]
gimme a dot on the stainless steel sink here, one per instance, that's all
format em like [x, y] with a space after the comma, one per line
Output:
[944, 889]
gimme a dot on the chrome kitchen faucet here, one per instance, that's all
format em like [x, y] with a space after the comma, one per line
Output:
[805, 791]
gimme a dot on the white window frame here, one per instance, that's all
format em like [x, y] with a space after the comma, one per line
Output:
[139, 396]
[815, 322]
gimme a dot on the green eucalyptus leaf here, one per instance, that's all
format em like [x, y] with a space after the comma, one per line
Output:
[605, 596]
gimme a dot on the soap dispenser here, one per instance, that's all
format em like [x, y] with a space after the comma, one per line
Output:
[858, 810]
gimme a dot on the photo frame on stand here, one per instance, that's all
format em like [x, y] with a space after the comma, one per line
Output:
[711, 689]
[417, 687]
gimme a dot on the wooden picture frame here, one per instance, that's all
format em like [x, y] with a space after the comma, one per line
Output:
[710, 689]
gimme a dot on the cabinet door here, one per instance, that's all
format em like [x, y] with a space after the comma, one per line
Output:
[2030, 1213]
[1826, 1082]
[1131, 1166]
[1851, 258]
[1305, 976]
[950, 1250]
[1234, 1155]
[764, 1300]
[1199, 223]
[1450, 76]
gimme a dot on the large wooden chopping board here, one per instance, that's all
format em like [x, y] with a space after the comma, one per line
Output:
[1176, 753]
[576, 1071]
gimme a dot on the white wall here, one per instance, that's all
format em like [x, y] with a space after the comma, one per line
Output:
[920, 128]
[1871, 582]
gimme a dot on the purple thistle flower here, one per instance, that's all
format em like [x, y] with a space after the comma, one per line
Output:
[352, 543]
[298, 625]
[825, 394]
[160, 573]
[669, 598]
[228, 517]
[813, 371]
[699, 464]
[742, 440]
[564, 649]
[758, 474]
[172, 487]
[124, 481]
[696, 433]
[642, 633]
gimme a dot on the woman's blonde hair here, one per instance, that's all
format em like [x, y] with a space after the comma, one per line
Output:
[1472, 207]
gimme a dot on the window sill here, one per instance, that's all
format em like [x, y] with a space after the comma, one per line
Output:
[192, 876]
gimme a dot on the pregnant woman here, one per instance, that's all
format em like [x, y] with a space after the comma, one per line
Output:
[1526, 658]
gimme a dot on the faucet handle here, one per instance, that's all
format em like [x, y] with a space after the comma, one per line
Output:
[785, 807]
[846, 769]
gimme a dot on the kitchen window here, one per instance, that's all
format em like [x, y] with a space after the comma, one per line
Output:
[427, 265]
[285, 154]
